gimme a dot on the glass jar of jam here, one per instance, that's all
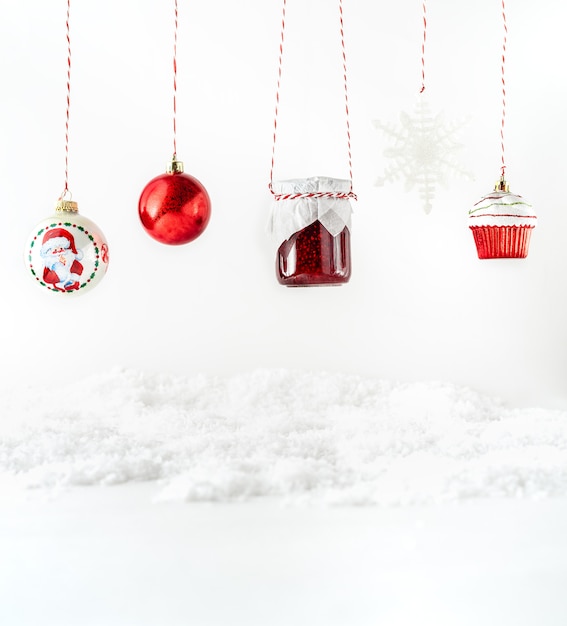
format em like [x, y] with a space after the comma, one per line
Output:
[311, 221]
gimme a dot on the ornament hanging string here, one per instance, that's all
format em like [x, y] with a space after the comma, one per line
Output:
[423, 47]
[66, 194]
[319, 194]
[175, 86]
[503, 167]
[343, 50]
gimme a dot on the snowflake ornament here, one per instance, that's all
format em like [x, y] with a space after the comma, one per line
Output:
[423, 151]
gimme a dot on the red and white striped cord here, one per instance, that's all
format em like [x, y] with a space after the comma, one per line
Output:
[503, 166]
[346, 93]
[175, 85]
[280, 58]
[318, 194]
[314, 194]
[66, 193]
[423, 47]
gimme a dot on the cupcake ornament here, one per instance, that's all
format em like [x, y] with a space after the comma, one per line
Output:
[502, 222]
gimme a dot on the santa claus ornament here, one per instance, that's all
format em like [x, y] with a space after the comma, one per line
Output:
[502, 222]
[174, 208]
[311, 217]
[66, 252]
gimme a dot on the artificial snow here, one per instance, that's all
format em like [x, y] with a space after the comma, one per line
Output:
[303, 437]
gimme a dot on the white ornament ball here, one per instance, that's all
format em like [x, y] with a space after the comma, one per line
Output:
[66, 252]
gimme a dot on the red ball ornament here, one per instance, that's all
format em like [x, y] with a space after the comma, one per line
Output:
[174, 207]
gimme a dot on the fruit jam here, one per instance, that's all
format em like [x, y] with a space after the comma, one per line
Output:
[312, 256]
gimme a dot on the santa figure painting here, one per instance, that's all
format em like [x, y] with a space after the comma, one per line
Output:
[61, 260]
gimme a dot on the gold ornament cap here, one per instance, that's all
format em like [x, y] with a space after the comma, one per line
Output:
[66, 206]
[174, 166]
[502, 185]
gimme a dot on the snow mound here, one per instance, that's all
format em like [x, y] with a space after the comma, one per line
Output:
[301, 436]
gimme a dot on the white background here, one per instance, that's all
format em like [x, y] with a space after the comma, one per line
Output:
[420, 305]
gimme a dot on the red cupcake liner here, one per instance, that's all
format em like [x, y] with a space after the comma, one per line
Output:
[502, 242]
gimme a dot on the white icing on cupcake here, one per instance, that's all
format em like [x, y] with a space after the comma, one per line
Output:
[502, 208]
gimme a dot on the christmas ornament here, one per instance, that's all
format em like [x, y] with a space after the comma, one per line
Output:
[423, 147]
[174, 208]
[502, 222]
[311, 217]
[423, 152]
[66, 252]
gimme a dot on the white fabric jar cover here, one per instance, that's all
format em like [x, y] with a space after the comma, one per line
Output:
[292, 215]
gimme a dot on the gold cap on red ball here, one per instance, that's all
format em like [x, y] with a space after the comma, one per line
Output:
[174, 166]
[67, 206]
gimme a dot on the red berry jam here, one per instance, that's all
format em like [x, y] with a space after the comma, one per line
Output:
[312, 256]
